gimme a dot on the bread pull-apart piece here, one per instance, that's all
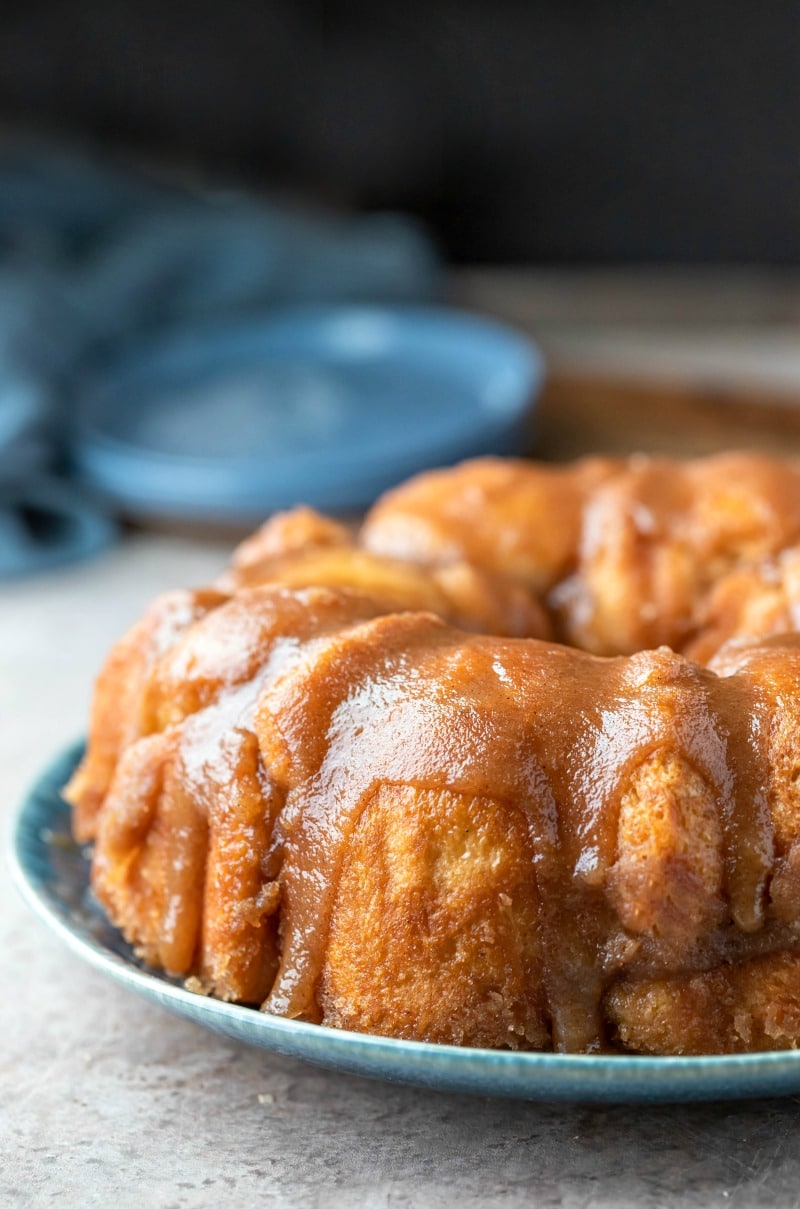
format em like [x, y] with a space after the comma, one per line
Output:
[769, 669]
[303, 549]
[666, 883]
[658, 536]
[750, 602]
[285, 533]
[181, 860]
[513, 518]
[184, 831]
[434, 933]
[739, 1007]
[178, 658]
[624, 552]
[116, 717]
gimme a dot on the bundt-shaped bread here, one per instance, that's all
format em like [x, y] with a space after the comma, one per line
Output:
[307, 789]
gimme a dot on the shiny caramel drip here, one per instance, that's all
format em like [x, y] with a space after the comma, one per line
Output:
[117, 711]
[506, 516]
[239, 745]
[302, 549]
[179, 859]
[627, 554]
[406, 701]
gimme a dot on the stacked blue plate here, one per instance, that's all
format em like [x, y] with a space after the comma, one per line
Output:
[325, 405]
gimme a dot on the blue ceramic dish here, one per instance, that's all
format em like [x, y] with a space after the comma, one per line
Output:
[52, 874]
[327, 406]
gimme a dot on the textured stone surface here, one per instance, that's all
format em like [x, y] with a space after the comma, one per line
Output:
[105, 1100]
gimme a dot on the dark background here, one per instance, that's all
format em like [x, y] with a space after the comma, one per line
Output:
[569, 131]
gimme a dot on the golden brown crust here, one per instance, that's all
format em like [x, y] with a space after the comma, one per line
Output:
[742, 1007]
[116, 719]
[286, 533]
[627, 552]
[180, 860]
[510, 517]
[658, 536]
[667, 880]
[750, 602]
[650, 854]
[302, 549]
[318, 793]
[421, 948]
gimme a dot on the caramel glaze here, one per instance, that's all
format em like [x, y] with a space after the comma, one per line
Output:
[407, 701]
[658, 797]
[302, 549]
[189, 814]
[625, 553]
[511, 517]
[249, 756]
[750, 602]
[116, 718]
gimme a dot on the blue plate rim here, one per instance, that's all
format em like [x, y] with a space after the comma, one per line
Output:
[134, 475]
[530, 367]
[619, 1078]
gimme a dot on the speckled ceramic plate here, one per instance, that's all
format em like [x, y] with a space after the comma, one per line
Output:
[52, 874]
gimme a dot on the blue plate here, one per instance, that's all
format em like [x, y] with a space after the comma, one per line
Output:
[327, 406]
[53, 876]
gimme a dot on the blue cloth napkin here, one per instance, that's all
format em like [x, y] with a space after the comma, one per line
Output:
[94, 259]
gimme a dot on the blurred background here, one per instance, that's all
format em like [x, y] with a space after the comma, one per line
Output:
[522, 131]
[619, 183]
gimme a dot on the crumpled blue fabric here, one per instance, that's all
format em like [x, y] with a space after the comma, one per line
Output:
[93, 259]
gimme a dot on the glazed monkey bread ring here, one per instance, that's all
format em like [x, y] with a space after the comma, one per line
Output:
[517, 765]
